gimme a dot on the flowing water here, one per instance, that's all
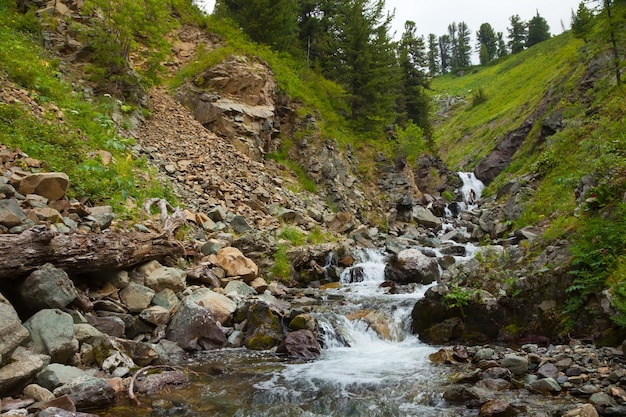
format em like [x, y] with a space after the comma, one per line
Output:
[370, 363]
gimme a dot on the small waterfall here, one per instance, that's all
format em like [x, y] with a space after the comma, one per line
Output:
[369, 267]
[471, 190]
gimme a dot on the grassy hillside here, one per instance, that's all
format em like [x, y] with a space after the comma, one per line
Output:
[589, 149]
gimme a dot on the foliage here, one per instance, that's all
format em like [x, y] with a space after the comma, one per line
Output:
[281, 268]
[459, 297]
[518, 33]
[582, 21]
[410, 142]
[69, 144]
[487, 43]
[538, 30]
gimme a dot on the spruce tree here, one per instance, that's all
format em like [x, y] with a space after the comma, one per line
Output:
[517, 34]
[538, 30]
[414, 101]
[487, 43]
[464, 50]
[582, 21]
[433, 55]
[445, 53]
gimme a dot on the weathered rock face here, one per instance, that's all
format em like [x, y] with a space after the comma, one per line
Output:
[235, 264]
[300, 344]
[237, 100]
[52, 333]
[23, 367]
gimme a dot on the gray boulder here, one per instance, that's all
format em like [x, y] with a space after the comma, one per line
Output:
[20, 370]
[412, 266]
[424, 217]
[193, 328]
[10, 213]
[11, 329]
[136, 297]
[52, 333]
[48, 287]
[56, 374]
[166, 277]
[88, 392]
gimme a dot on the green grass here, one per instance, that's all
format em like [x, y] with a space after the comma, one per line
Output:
[69, 144]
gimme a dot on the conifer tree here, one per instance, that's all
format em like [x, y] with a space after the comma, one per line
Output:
[582, 21]
[538, 30]
[517, 34]
[464, 50]
[414, 101]
[487, 43]
[433, 55]
[502, 49]
[445, 53]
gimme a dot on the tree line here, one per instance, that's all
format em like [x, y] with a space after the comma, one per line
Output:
[350, 42]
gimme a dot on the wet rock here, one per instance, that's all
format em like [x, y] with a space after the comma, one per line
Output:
[160, 381]
[586, 410]
[47, 288]
[460, 394]
[52, 185]
[412, 266]
[59, 412]
[497, 408]
[21, 368]
[518, 365]
[193, 328]
[11, 329]
[300, 344]
[546, 385]
[52, 333]
[88, 392]
[264, 327]
[448, 330]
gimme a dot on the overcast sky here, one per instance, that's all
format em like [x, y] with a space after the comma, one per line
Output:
[434, 16]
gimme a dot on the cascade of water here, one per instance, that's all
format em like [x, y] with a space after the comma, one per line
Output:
[471, 190]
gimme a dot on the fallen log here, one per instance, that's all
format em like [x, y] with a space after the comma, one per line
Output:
[23, 253]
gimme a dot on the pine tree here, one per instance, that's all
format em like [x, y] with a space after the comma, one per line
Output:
[272, 22]
[502, 49]
[582, 21]
[538, 30]
[487, 43]
[517, 34]
[612, 26]
[464, 49]
[445, 53]
[414, 101]
[454, 45]
[433, 55]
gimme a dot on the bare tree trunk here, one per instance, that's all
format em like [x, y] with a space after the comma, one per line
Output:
[77, 253]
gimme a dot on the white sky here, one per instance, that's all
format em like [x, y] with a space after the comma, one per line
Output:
[434, 16]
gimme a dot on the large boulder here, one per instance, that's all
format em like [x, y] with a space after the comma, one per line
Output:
[11, 329]
[52, 333]
[235, 264]
[193, 328]
[52, 185]
[166, 277]
[56, 374]
[47, 287]
[11, 213]
[424, 217]
[264, 329]
[136, 297]
[300, 344]
[88, 392]
[220, 306]
[20, 370]
[412, 266]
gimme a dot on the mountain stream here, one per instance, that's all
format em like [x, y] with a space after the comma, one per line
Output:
[370, 364]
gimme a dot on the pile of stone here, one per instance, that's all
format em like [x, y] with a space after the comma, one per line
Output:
[579, 379]
[29, 196]
[83, 336]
